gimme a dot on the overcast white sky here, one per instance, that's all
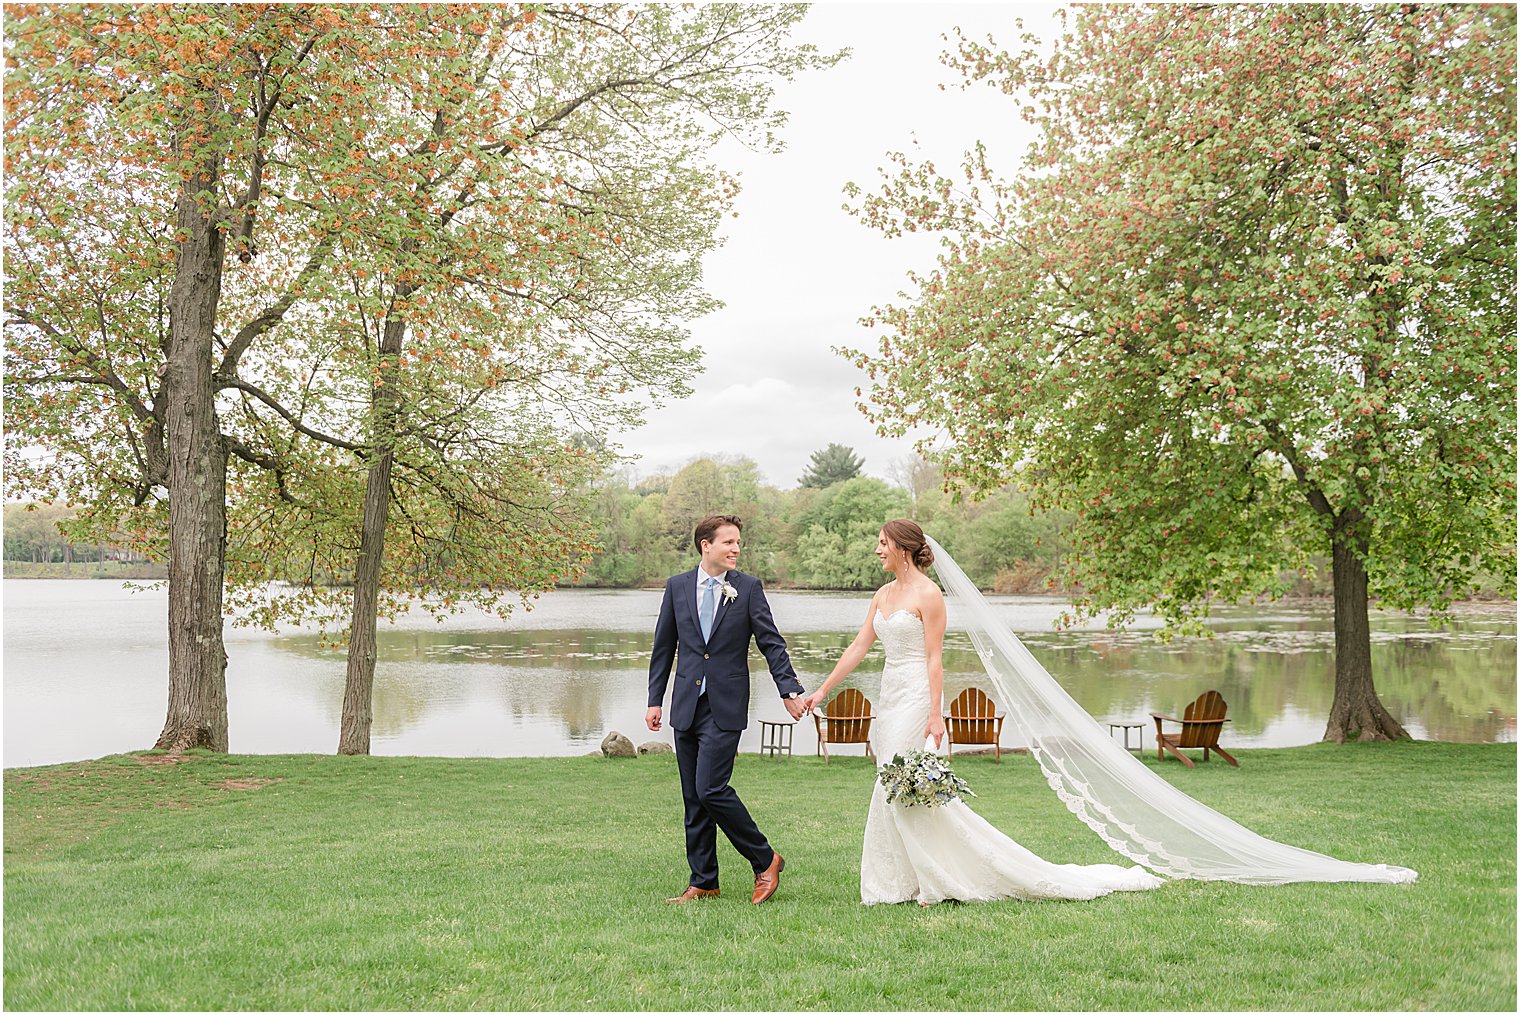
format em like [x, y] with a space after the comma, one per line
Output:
[797, 273]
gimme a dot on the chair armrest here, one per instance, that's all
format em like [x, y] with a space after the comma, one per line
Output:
[1158, 715]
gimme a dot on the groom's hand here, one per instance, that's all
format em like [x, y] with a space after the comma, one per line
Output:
[795, 707]
[652, 718]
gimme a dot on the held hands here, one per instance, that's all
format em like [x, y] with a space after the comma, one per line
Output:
[795, 707]
[811, 702]
[652, 718]
[935, 730]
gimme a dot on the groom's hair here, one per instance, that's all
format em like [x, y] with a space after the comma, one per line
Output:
[708, 527]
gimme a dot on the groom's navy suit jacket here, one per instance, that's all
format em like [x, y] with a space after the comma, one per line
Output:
[722, 660]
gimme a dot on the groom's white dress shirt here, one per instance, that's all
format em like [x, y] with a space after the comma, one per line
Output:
[702, 576]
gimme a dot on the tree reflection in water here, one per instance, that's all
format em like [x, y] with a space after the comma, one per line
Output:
[545, 691]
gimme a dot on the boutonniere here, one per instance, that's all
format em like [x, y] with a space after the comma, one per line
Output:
[729, 593]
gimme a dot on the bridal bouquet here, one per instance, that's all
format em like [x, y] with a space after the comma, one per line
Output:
[922, 777]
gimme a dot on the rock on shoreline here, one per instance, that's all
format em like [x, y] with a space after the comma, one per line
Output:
[615, 745]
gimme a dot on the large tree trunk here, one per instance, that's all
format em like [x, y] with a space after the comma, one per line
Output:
[197, 481]
[1356, 713]
[359, 684]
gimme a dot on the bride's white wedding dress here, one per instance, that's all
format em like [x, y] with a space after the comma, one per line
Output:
[930, 854]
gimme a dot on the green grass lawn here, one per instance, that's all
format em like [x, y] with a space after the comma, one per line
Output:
[324, 882]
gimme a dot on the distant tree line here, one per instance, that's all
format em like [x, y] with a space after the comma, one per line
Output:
[809, 537]
[821, 534]
[38, 534]
[813, 536]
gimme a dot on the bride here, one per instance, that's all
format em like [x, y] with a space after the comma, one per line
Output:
[949, 852]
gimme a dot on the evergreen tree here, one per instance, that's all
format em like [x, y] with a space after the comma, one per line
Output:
[834, 464]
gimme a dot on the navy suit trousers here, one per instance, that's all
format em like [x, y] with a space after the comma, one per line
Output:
[705, 755]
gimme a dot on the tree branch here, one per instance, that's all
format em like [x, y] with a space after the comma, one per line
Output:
[275, 313]
[105, 373]
[270, 463]
[223, 382]
[1286, 448]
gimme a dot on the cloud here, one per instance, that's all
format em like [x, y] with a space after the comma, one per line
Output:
[761, 392]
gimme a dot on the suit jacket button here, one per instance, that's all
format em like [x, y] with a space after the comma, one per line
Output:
[706, 656]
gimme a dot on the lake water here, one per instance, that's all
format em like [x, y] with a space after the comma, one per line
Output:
[85, 664]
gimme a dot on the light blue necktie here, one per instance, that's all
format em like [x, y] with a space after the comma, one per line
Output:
[705, 614]
[709, 602]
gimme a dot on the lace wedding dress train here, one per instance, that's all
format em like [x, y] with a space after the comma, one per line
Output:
[931, 854]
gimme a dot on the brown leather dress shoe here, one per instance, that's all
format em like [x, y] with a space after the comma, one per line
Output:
[695, 893]
[768, 880]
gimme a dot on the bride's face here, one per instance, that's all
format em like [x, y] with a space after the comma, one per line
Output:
[887, 552]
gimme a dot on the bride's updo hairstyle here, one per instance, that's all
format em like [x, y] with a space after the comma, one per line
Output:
[909, 538]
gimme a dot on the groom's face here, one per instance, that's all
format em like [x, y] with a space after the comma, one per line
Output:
[721, 553]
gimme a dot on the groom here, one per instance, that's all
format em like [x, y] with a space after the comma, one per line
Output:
[706, 621]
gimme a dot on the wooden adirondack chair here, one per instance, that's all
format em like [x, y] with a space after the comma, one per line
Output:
[1201, 723]
[845, 720]
[974, 719]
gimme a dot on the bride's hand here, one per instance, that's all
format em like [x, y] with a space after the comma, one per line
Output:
[812, 701]
[935, 731]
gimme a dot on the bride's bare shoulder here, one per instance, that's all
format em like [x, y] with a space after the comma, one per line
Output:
[928, 596]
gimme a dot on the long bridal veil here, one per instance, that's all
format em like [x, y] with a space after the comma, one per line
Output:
[1137, 812]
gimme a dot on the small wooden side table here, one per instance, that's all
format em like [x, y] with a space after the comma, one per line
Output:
[1139, 727]
[776, 738]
